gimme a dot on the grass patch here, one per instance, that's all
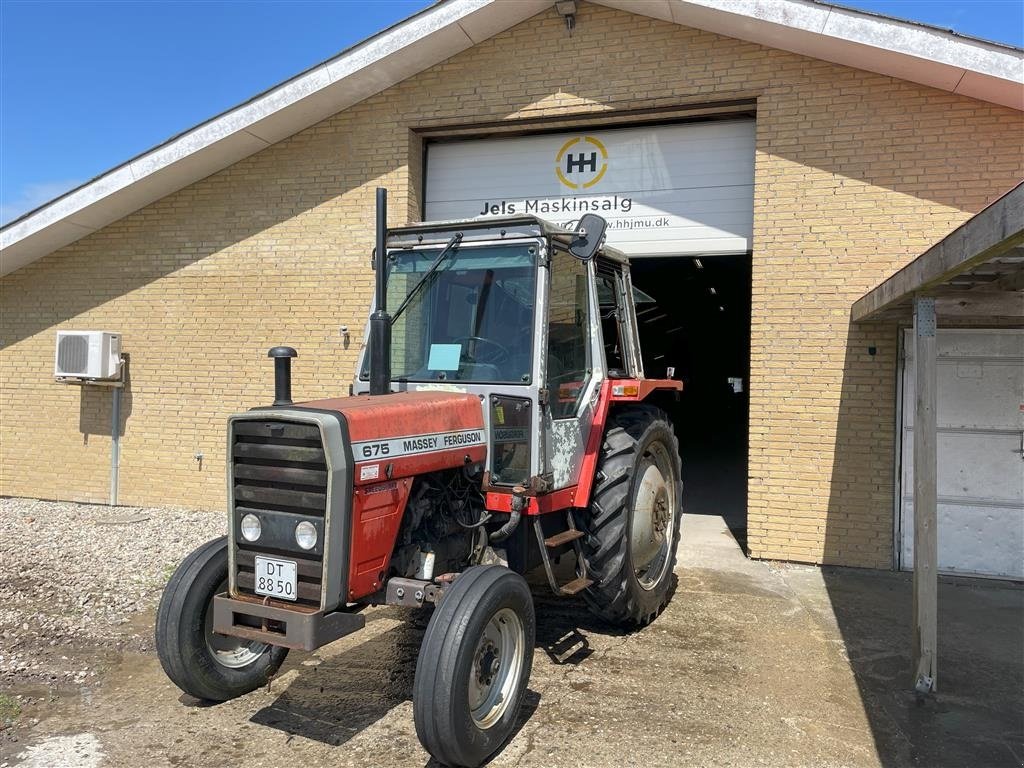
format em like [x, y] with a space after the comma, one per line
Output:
[10, 709]
[167, 572]
[160, 580]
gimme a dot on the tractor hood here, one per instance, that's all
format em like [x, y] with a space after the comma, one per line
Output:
[407, 433]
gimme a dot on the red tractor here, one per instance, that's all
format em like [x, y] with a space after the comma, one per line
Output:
[500, 419]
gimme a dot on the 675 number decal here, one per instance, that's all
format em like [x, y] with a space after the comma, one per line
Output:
[371, 450]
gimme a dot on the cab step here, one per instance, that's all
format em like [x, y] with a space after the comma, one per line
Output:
[562, 538]
[571, 534]
[576, 586]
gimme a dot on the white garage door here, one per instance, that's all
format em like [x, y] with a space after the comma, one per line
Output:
[665, 190]
[980, 466]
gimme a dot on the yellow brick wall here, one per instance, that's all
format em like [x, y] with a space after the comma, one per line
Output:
[855, 174]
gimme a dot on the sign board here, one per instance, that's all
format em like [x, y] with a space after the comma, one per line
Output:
[665, 190]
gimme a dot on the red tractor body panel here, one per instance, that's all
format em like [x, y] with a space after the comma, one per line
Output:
[395, 438]
[612, 391]
[376, 517]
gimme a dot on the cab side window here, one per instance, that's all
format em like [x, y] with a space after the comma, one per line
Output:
[613, 319]
[568, 363]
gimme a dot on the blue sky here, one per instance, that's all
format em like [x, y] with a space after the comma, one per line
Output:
[86, 85]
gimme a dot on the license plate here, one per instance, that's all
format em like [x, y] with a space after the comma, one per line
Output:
[276, 578]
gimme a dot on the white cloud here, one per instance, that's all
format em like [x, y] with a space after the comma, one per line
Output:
[33, 195]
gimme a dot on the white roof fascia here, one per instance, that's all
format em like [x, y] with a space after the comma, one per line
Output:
[902, 49]
[905, 50]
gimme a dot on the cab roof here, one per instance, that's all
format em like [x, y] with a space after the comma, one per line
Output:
[489, 228]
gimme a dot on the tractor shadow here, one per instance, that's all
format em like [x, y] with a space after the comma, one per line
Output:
[564, 624]
[346, 687]
[337, 694]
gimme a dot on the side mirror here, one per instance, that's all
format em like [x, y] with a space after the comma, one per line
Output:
[589, 235]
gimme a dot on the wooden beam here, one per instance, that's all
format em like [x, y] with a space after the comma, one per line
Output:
[980, 303]
[926, 580]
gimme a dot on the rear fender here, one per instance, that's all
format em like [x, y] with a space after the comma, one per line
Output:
[613, 392]
[639, 390]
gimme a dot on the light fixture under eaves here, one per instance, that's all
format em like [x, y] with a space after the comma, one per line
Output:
[567, 9]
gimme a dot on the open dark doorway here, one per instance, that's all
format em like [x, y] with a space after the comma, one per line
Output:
[699, 326]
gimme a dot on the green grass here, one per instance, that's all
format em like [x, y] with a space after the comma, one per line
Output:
[160, 581]
[9, 709]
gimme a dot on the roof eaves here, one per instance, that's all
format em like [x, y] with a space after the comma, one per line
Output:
[922, 25]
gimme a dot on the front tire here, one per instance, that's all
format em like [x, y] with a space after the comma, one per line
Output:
[200, 662]
[632, 526]
[474, 665]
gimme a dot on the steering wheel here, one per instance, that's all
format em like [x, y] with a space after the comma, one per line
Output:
[498, 354]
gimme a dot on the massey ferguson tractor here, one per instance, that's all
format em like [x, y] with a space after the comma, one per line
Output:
[500, 420]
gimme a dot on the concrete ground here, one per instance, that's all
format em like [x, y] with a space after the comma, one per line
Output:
[752, 664]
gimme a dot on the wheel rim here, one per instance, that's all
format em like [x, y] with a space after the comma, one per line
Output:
[497, 664]
[654, 517]
[230, 652]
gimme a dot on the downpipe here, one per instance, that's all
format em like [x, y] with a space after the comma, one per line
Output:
[115, 443]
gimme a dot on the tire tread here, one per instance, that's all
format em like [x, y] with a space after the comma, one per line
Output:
[614, 595]
[179, 627]
[435, 717]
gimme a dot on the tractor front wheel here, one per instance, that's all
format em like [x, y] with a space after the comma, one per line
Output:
[200, 662]
[474, 665]
[632, 526]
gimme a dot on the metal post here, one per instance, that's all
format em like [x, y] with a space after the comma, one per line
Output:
[115, 442]
[926, 581]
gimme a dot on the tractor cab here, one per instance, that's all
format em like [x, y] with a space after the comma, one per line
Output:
[529, 316]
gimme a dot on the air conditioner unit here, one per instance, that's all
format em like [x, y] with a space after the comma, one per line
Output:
[87, 355]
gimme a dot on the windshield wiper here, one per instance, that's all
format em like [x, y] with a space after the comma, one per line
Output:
[450, 248]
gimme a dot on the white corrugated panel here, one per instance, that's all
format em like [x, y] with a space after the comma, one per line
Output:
[980, 465]
[664, 190]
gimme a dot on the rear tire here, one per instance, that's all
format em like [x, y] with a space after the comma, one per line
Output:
[474, 665]
[632, 525]
[201, 663]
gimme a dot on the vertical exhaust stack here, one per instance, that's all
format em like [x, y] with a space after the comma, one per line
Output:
[282, 374]
[380, 320]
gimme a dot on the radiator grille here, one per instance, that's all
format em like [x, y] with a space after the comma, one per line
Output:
[279, 467]
[73, 354]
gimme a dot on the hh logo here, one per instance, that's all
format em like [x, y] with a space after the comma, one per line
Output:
[581, 162]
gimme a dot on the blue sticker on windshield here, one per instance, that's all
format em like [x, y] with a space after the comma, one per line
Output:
[444, 357]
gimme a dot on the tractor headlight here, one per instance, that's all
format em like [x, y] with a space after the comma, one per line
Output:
[251, 528]
[305, 534]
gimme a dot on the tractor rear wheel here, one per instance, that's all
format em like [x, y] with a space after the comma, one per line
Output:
[474, 665]
[200, 662]
[632, 526]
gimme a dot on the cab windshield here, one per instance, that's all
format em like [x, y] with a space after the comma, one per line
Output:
[471, 320]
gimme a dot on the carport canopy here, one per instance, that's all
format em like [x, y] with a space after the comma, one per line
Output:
[976, 273]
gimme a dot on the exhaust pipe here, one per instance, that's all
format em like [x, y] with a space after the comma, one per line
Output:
[282, 374]
[380, 320]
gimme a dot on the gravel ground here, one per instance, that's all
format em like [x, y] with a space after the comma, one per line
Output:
[75, 579]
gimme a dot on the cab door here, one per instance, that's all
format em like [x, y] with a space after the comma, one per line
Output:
[574, 366]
